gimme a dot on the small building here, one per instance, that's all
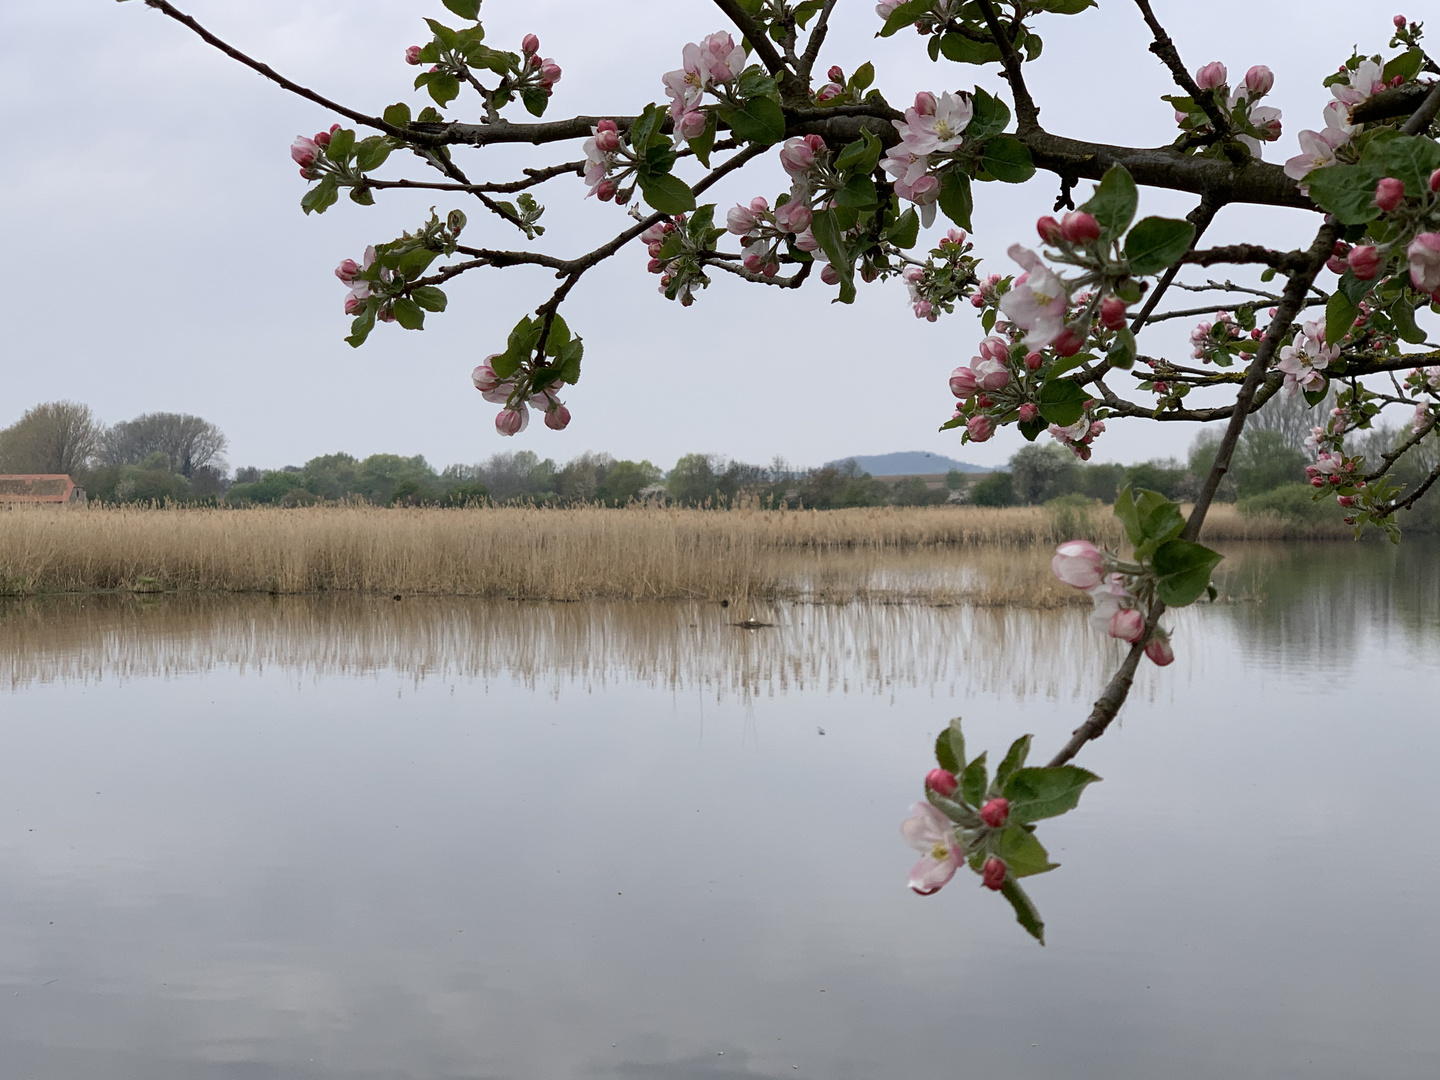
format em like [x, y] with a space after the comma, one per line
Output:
[54, 489]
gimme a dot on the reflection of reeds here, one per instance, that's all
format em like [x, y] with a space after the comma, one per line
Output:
[938, 554]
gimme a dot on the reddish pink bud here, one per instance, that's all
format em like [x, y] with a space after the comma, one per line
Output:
[692, 124]
[1346, 501]
[558, 418]
[386, 314]
[412, 56]
[1080, 228]
[942, 782]
[1388, 193]
[1335, 264]
[1364, 261]
[512, 421]
[1399, 22]
[835, 74]
[981, 428]
[1259, 80]
[1212, 75]
[354, 304]
[962, 382]
[607, 142]
[1160, 652]
[655, 266]
[322, 138]
[1112, 313]
[1049, 230]
[983, 401]
[605, 190]
[1069, 342]
[993, 874]
[1435, 180]
[829, 275]
[1127, 624]
[1034, 360]
[977, 301]
[1317, 481]
[484, 376]
[530, 45]
[925, 103]
[303, 151]
[348, 271]
[607, 125]
[1029, 412]
[549, 73]
[996, 813]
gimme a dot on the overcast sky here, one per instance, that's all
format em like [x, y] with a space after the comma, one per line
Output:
[159, 259]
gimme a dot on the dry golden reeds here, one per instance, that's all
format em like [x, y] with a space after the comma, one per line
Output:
[938, 554]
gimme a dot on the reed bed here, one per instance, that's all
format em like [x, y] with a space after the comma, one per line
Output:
[935, 554]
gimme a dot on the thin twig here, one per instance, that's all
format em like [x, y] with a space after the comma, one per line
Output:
[1027, 116]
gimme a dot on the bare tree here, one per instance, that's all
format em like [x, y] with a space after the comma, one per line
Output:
[187, 443]
[57, 437]
[1292, 417]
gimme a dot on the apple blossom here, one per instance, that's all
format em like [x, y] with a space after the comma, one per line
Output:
[1259, 80]
[1049, 230]
[981, 428]
[993, 873]
[1389, 193]
[557, 418]
[1399, 22]
[1079, 563]
[1424, 257]
[412, 56]
[1034, 361]
[1211, 76]
[991, 374]
[962, 383]
[1305, 359]
[1365, 81]
[1127, 624]
[931, 833]
[304, 151]
[348, 271]
[1080, 228]
[942, 782]
[996, 813]
[1037, 302]
[1112, 313]
[1435, 180]
[1159, 651]
[484, 376]
[512, 421]
[935, 125]
[1029, 412]
[692, 125]
[530, 45]
[1317, 150]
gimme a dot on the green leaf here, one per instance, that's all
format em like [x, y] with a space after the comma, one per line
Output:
[851, 155]
[859, 192]
[559, 336]
[570, 358]
[362, 325]
[1402, 314]
[1032, 429]
[704, 143]
[1014, 759]
[408, 313]
[322, 196]
[956, 202]
[825, 227]
[414, 263]
[950, 748]
[1008, 160]
[905, 232]
[646, 129]
[1062, 401]
[466, 9]
[1026, 913]
[1160, 519]
[1347, 191]
[760, 120]
[668, 194]
[1156, 243]
[443, 87]
[1315, 397]
[1023, 854]
[974, 780]
[1409, 158]
[989, 116]
[1114, 202]
[905, 15]
[1184, 571]
[342, 143]
[863, 78]
[429, 298]
[397, 115]
[1340, 315]
[362, 195]
[443, 34]
[1407, 65]
[964, 50]
[1036, 794]
[1065, 7]
[372, 153]
[1122, 350]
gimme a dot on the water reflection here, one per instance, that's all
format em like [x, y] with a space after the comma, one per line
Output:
[245, 839]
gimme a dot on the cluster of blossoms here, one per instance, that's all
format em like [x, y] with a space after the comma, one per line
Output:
[309, 154]
[608, 163]
[1216, 342]
[1354, 83]
[349, 273]
[937, 284]
[932, 21]
[1252, 123]
[1117, 589]
[1078, 436]
[766, 230]
[713, 64]
[1424, 384]
[515, 416]
[933, 129]
[535, 74]
[936, 837]
[1305, 359]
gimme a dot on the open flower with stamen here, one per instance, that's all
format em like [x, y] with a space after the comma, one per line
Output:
[932, 834]
[1037, 301]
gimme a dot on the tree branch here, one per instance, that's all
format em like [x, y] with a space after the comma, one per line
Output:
[817, 39]
[754, 33]
[1165, 49]
[1027, 116]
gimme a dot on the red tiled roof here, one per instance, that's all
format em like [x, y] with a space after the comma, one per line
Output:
[41, 488]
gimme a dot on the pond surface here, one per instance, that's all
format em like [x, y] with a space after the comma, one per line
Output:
[256, 838]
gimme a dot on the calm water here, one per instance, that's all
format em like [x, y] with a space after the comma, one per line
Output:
[253, 839]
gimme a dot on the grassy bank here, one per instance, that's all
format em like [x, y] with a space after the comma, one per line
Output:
[566, 554]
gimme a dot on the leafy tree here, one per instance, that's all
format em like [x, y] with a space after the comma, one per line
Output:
[624, 480]
[1038, 472]
[1264, 461]
[57, 437]
[994, 490]
[185, 442]
[693, 481]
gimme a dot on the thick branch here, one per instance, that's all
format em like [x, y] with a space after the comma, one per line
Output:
[816, 41]
[1389, 104]
[1285, 261]
[1026, 114]
[754, 33]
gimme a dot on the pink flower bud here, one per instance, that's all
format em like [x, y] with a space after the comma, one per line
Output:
[993, 874]
[1080, 228]
[607, 142]
[829, 275]
[925, 103]
[1259, 80]
[530, 45]
[1317, 481]
[484, 376]
[981, 428]
[1034, 360]
[558, 418]
[924, 310]
[1079, 563]
[1127, 624]
[322, 138]
[1335, 264]
[983, 401]
[354, 304]
[512, 421]
[1160, 652]
[996, 813]
[835, 74]
[1112, 313]
[740, 220]
[1029, 413]
[1212, 75]
[1346, 501]
[655, 266]
[1435, 180]
[1070, 341]
[942, 782]
[692, 124]
[1049, 230]
[549, 73]
[793, 217]
[607, 125]
[348, 271]
[1399, 22]
[797, 157]
[1364, 261]
[412, 56]
[605, 190]
[1388, 193]
[962, 383]
[304, 151]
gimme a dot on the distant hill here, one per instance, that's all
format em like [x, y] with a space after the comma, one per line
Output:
[909, 463]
